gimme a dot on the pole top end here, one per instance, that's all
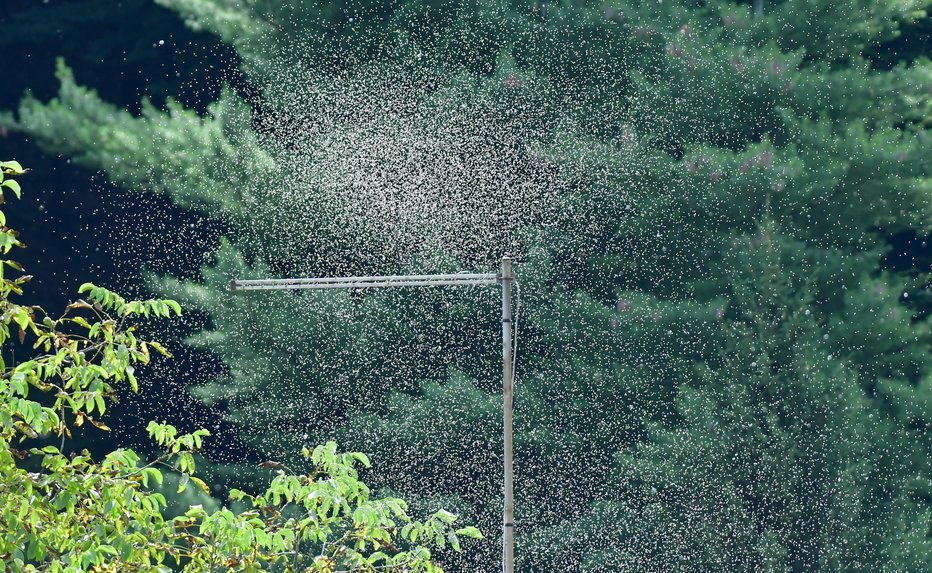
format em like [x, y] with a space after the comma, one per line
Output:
[507, 272]
[231, 286]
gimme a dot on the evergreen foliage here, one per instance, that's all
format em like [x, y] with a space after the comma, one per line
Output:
[715, 373]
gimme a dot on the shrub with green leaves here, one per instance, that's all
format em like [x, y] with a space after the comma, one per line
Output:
[71, 513]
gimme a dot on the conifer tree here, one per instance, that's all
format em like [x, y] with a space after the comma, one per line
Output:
[715, 371]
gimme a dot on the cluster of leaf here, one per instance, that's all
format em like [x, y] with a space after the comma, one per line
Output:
[329, 510]
[69, 513]
[7, 170]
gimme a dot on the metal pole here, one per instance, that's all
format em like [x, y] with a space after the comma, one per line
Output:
[356, 283]
[507, 279]
[508, 540]
[370, 281]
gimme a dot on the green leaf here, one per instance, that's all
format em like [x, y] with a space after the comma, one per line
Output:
[376, 557]
[445, 516]
[174, 306]
[133, 384]
[160, 349]
[13, 186]
[200, 484]
[12, 167]
[152, 473]
[471, 532]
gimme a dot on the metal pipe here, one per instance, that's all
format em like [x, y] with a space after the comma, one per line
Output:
[324, 280]
[508, 522]
[363, 282]
[243, 286]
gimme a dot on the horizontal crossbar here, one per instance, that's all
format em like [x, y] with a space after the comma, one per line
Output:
[462, 279]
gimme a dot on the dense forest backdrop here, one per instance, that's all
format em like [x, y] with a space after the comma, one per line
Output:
[721, 224]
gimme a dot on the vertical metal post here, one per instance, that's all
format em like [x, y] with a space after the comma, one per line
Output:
[508, 539]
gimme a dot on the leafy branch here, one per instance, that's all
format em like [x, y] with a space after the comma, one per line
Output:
[70, 513]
